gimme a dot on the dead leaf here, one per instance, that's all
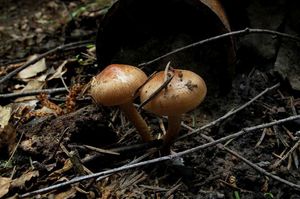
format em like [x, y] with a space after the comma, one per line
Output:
[42, 78]
[25, 177]
[45, 111]
[218, 9]
[33, 69]
[59, 71]
[5, 114]
[26, 145]
[16, 196]
[7, 140]
[22, 111]
[71, 193]
[10, 67]
[31, 85]
[29, 145]
[4, 186]
[56, 174]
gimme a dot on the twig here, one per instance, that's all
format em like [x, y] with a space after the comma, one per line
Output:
[296, 159]
[136, 93]
[7, 62]
[125, 149]
[167, 80]
[64, 83]
[165, 84]
[138, 147]
[61, 47]
[160, 159]
[59, 142]
[155, 188]
[173, 189]
[34, 92]
[167, 71]
[13, 172]
[258, 168]
[276, 164]
[132, 162]
[294, 110]
[74, 158]
[99, 150]
[263, 170]
[279, 136]
[230, 113]
[162, 126]
[15, 149]
[61, 76]
[234, 187]
[261, 138]
[246, 31]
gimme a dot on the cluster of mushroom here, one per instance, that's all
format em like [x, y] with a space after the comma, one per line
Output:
[117, 83]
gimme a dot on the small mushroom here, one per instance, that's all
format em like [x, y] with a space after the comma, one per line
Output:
[184, 92]
[116, 85]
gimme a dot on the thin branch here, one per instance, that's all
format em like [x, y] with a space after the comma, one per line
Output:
[7, 62]
[230, 113]
[167, 71]
[246, 31]
[59, 142]
[123, 149]
[136, 93]
[164, 85]
[132, 162]
[296, 186]
[255, 166]
[160, 159]
[276, 164]
[15, 149]
[101, 151]
[138, 147]
[34, 92]
[61, 47]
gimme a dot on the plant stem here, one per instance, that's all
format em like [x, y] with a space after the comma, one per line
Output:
[134, 116]
[174, 123]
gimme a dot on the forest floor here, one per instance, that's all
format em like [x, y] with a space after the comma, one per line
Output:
[50, 139]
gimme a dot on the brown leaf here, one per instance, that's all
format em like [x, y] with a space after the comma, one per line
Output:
[218, 9]
[26, 145]
[16, 196]
[60, 71]
[71, 193]
[32, 85]
[7, 140]
[67, 166]
[33, 69]
[5, 114]
[27, 176]
[4, 186]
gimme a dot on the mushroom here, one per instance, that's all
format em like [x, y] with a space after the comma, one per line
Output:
[184, 92]
[116, 85]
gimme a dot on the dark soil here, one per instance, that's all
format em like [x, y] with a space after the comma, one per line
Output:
[29, 27]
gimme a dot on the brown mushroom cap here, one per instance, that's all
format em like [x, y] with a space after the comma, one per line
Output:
[184, 93]
[116, 84]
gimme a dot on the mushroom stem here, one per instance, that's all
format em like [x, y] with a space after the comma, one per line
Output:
[174, 122]
[134, 116]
